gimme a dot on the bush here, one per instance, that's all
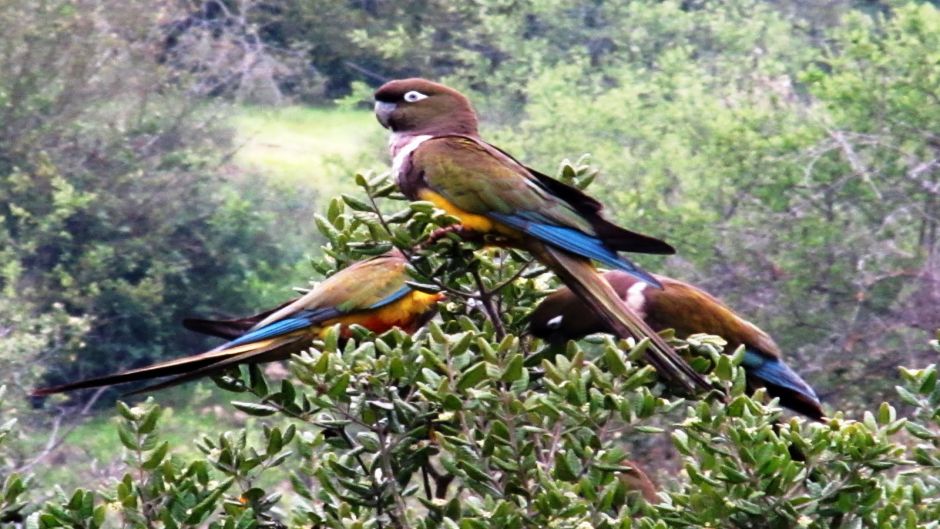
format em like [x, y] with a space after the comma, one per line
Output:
[469, 423]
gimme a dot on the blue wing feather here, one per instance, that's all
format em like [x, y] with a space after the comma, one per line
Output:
[299, 321]
[774, 371]
[394, 296]
[575, 241]
[306, 318]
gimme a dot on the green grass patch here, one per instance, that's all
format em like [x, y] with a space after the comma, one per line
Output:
[297, 145]
[91, 453]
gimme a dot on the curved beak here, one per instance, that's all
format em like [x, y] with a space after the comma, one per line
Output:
[383, 111]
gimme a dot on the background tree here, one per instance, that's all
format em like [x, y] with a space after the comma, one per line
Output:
[469, 424]
[111, 208]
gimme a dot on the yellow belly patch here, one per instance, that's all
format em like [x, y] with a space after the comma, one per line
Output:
[469, 220]
[401, 313]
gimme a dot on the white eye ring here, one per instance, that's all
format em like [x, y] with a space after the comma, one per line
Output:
[414, 96]
[555, 322]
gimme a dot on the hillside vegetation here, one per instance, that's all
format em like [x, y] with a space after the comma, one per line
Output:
[160, 160]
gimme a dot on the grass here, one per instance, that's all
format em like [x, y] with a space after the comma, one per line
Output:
[317, 147]
[91, 456]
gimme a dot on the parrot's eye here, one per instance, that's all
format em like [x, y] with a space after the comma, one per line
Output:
[414, 96]
[554, 323]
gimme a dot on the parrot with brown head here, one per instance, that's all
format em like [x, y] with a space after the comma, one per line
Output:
[688, 310]
[438, 156]
[372, 293]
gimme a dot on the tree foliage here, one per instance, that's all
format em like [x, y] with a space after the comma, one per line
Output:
[790, 153]
[470, 423]
[111, 211]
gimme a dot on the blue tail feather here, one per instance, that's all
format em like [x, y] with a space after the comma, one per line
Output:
[279, 328]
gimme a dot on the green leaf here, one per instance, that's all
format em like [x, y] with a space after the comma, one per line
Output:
[472, 376]
[334, 210]
[907, 396]
[128, 439]
[929, 382]
[514, 369]
[563, 469]
[322, 364]
[886, 414]
[919, 431]
[615, 363]
[255, 409]
[724, 368]
[356, 204]
[126, 412]
[256, 380]
[156, 457]
[338, 389]
[369, 441]
[149, 421]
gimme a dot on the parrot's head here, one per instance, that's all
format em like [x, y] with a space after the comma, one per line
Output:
[419, 106]
[562, 316]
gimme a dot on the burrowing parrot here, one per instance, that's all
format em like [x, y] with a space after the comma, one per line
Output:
[438, 156]
[372, 293]
[561, 316]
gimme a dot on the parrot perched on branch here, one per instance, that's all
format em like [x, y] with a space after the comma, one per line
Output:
[439, 157]
[561, 316]
[372, 293]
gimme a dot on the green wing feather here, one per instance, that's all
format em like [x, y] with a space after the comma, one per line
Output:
[481, 180]
[359, 286]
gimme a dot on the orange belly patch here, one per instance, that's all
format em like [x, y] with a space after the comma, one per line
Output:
[402, 314]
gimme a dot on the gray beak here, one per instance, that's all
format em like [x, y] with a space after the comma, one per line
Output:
[383, 111]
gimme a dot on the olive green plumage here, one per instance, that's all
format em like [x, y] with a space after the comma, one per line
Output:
[438, 156]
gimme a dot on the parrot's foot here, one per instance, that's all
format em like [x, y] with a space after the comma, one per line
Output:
[457, 229]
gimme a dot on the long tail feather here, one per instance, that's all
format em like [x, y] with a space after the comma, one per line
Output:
[581, 277]
[784, 383]
[267, 351]
[228, 329]
[190, 367]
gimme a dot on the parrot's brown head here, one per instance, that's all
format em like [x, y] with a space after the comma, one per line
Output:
[562, 316]
[419, 106]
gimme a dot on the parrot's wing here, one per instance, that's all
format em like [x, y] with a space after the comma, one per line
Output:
[364, 285]
[481, 180]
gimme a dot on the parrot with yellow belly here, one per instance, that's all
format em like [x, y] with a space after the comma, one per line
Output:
[439, 157]
[372, 293]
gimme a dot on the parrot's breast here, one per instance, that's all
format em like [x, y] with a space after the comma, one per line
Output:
[468, 220]
[401, 148]
[406, 313]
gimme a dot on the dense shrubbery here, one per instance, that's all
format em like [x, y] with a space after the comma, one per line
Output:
[468, 423]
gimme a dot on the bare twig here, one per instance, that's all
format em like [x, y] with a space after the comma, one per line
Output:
[55, 441]
[486, 300]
